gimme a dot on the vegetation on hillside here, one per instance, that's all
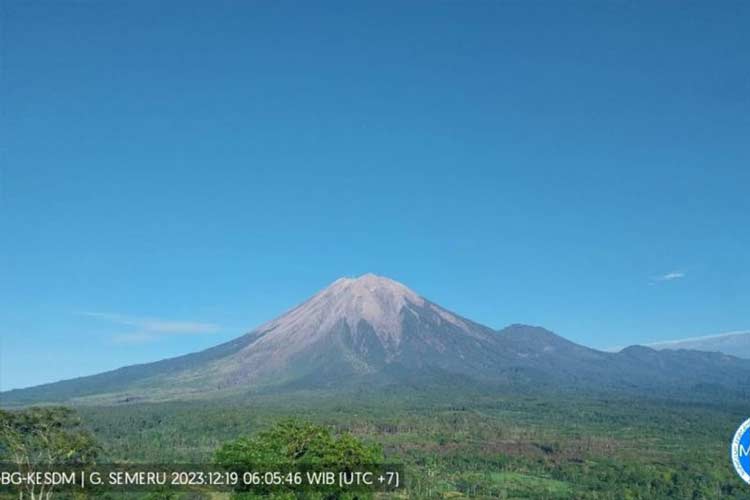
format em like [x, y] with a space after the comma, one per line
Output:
[451, 445]
[470, 445]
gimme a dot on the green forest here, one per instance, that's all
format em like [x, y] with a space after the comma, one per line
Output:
[462, 444]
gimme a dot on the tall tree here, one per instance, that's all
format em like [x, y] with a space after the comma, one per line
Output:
[293, 445]
[38, 438]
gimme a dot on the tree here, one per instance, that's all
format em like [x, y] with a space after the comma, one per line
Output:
[37, 438]
[291, 445]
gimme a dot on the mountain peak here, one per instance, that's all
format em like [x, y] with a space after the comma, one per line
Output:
[371, 285]
[369, 278]
[376, 300]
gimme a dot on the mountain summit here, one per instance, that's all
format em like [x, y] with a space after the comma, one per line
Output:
[370, 309]
[372, 299]
[357, 326]
[375, 331]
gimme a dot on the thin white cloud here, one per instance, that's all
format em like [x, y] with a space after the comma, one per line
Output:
[674, 275]
[698, 339]
[664, 344]
[148, 329]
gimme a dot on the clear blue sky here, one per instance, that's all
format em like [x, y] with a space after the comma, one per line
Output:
[175, 173]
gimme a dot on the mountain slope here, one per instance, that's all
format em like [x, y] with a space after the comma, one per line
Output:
[375, 331]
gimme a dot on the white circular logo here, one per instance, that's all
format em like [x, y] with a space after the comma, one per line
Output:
[740, 450]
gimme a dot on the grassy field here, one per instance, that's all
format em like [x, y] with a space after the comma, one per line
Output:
[470, 444]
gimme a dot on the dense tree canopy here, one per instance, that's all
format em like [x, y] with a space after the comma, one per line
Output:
[36, 438]
[292, 444]
[45, 436]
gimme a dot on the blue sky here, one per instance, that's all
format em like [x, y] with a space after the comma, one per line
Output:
[175, 173]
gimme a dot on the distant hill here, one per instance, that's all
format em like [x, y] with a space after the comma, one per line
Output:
[376, 332]
[733, 343]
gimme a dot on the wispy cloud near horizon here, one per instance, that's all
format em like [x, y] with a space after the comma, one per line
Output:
[713, 336]
[149, 329]
[663, 344]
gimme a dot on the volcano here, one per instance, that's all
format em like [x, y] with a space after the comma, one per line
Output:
[374, 331]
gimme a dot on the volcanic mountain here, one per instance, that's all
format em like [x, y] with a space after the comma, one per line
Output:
[375, 331]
